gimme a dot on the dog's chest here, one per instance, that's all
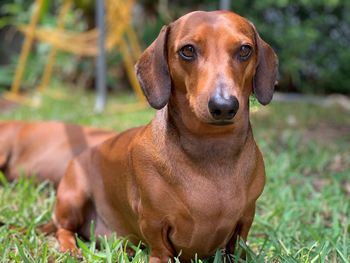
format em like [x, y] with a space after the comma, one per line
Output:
[209, 213]
[199, 201]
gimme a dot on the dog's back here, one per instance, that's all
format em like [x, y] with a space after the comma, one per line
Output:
[44, 149]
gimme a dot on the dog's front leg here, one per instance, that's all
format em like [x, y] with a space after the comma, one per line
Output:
[156, 235]
[241, 230]
[70, 208]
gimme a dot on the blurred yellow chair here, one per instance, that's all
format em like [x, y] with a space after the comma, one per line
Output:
[119, 33]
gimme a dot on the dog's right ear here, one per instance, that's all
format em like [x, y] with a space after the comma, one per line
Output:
[266, 71]
[153, 72]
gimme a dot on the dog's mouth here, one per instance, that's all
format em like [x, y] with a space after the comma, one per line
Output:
[221, 122]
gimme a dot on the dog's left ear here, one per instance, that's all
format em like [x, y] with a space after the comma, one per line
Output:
[266, 71]
[153, 72]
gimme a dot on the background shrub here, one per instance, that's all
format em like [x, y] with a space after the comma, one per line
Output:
[311, 38]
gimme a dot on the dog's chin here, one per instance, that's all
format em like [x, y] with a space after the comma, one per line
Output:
[221, 123]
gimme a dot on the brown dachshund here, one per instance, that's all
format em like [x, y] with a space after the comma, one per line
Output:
[187, 182]
[43, 149]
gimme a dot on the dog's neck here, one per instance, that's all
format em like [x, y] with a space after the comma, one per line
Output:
[202, 141]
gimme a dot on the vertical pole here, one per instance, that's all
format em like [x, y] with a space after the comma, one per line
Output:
[52, 55]
[26, 47]
[225, 4]
[101, 58]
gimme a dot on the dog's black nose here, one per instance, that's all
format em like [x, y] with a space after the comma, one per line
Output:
[223, 108]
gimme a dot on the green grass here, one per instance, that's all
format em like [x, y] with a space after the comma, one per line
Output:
[302, 216]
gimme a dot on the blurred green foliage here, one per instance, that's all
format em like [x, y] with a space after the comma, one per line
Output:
[311, 37]
[67, 68]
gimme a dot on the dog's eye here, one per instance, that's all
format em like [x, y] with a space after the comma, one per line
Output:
[244, 52]
[188, 52]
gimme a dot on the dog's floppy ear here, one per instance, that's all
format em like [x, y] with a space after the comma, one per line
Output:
[153, 72]
[266, 71]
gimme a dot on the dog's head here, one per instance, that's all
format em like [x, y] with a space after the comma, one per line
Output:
[215, 60]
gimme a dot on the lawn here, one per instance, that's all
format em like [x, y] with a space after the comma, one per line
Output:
[302, 216]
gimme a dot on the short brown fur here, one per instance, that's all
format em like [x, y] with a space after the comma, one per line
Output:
[43, 149]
